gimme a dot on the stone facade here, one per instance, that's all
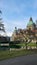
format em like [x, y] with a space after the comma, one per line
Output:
[30, 33]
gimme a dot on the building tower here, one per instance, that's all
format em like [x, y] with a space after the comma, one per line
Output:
[31, 25]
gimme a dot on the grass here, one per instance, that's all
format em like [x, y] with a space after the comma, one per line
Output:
[29, 44]
[21, 44]
[32, 44]
[15, 53]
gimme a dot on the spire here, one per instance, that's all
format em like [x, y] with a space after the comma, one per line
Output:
[30, 19]
[30, 22]
[15, 29]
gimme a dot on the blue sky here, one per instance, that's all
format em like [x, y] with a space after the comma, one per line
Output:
[16, 13]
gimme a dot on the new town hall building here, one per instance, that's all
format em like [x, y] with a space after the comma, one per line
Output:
[30, 33]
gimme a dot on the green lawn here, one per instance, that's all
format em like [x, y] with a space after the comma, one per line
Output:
[28, 44]
[7, 54]
[21, 44]
[32, 44]
[14, 53]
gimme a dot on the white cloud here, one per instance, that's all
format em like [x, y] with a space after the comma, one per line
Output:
[9, 33]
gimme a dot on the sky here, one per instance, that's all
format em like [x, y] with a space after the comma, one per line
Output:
[16, 13]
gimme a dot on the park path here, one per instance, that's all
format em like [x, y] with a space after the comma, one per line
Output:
[24, 60]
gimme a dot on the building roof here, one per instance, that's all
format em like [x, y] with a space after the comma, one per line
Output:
[34, 31]
[31, 22]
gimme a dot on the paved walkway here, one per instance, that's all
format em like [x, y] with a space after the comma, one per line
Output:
[24, 60]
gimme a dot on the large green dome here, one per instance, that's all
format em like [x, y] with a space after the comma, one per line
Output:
[30, 22]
